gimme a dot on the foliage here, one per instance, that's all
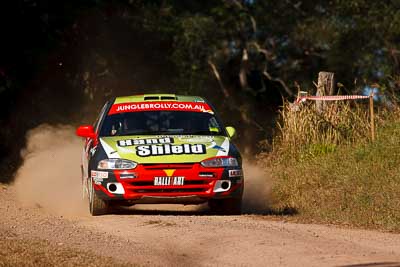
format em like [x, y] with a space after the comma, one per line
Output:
[268, 46]
[290, 40]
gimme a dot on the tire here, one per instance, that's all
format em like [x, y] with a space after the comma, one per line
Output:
[97, 206]
[228, 206]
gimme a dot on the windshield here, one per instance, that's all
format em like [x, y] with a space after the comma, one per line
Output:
[161, 122]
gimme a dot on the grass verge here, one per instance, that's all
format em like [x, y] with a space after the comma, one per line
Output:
[354, 182]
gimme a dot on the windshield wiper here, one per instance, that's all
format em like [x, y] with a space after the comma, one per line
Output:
[204, 132]
[149, 133]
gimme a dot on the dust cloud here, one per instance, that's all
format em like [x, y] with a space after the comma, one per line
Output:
[257, 188]
[50, 174]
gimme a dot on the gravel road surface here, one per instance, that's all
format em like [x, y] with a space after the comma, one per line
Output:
[179, 236]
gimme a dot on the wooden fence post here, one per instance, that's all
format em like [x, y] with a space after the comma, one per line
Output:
[326, 86]
[371, 114]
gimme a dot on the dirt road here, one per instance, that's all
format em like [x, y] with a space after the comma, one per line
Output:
[180, 236]
[44, 223]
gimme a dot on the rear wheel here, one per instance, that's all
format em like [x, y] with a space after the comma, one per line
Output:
[97, 206]
[228, 206]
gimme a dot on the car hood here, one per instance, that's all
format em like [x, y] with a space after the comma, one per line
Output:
[165, 149]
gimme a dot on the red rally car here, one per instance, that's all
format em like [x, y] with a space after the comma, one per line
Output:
[147, 149]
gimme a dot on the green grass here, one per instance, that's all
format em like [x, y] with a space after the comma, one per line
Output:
[355, 183]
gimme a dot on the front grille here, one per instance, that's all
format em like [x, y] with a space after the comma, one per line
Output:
[193, 182]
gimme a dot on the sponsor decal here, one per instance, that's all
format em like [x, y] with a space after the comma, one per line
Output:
[93, 150]
[214, 145]
[217, 147]
[235, 173]
[164, 105]
[128, 175]
[195, 139]
[98, 176]
[223, 150]
[161, 146]
[169, 149]
[111, 153]
[136, 142]
[168, 180]
[207, 174]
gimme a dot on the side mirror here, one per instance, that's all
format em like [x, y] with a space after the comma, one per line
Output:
[231, 131]
[86, 131]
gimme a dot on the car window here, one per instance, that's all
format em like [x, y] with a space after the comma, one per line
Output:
[161, 122]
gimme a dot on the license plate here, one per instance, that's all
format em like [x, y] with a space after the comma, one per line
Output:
[167, 180]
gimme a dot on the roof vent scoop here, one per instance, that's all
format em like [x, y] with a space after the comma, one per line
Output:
[149, 98]
[168, 98]
[159, 97]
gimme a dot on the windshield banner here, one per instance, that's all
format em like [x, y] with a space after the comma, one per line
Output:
[161, 105]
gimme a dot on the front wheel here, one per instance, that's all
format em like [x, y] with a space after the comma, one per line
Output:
[84, 182]
[97, 206]
[228, 206]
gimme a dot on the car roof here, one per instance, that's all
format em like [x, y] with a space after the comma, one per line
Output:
[157, 98]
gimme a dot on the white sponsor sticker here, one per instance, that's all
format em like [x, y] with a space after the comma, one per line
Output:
[167, 180]
[128, 175]
[99, 174]
[196, 139]
[235, 173]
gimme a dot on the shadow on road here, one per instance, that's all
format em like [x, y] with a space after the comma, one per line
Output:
[375, 264]
[202, 210]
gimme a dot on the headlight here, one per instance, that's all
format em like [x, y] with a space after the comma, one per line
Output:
[116, 164]
[220, 162]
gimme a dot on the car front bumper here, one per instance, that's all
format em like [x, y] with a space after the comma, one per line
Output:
[155, 183]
